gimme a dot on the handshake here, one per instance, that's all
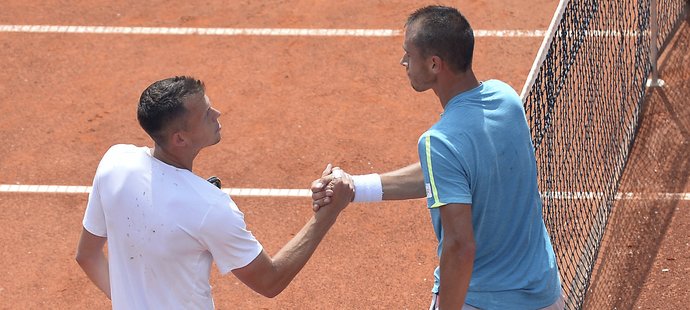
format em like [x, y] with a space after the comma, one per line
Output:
[333, 191]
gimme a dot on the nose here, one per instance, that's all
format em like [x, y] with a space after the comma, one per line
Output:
[403, 61]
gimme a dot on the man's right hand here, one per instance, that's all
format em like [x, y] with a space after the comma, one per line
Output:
[335, 188]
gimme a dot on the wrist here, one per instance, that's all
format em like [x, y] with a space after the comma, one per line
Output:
[368, 188]
[324, 220]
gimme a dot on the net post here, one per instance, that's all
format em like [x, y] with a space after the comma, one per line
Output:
[654, 81]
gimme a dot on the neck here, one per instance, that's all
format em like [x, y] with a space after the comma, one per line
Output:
[182, 161]
[454, 84]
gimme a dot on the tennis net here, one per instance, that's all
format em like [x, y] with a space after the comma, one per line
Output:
[582, 100]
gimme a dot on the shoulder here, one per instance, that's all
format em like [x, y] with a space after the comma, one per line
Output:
[438, 140]
[223, 213]
[504, 94]
[121, 155]
[500, 86]
[434, 133]
[438, 131]
[497, 84]
[199, 189]
[122, 149]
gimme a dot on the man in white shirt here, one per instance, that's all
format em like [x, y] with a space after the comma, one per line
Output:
[164, 225]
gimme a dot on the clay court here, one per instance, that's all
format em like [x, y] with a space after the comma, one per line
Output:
[291, 104]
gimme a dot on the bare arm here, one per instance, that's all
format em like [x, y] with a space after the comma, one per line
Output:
[457, 255]
[92, 260]
[400, 184]
[270, 276]
[404, 183]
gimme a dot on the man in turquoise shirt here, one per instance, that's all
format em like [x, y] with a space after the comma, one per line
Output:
[478, 172]
[479, 157]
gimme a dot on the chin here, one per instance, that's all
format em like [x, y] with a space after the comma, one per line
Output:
[216, 140]
[418, 89]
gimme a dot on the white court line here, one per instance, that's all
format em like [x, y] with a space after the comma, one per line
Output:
[292, 192]
[63, 189]
[317, 32]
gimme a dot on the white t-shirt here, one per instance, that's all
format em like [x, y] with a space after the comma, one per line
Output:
[164, 226]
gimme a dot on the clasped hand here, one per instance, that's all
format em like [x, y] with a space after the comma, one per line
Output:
[334, 189]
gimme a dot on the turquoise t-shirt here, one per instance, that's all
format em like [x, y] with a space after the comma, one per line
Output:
[480, 153]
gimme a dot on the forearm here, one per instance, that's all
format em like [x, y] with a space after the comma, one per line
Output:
[96, 268]
[456, 270]
[404, 183]
[295, 254]
[270, 276]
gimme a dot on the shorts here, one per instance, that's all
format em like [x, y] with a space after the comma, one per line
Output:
[558, 305]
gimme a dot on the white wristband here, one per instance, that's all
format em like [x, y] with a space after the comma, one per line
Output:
[368, 188]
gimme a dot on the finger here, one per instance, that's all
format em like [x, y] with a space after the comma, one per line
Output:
[327, 171]
[322, 202]
[321, 194]
[320, 184]
[317, 205]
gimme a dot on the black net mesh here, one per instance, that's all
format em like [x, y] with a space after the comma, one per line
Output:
[669, 16]
[583, 110]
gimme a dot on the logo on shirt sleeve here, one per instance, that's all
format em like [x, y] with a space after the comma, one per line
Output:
[428, 190]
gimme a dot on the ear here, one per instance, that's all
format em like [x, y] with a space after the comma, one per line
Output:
[436, 64]
[178, 139]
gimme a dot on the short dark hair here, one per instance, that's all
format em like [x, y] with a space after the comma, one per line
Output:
[162, 103]
[443, 31]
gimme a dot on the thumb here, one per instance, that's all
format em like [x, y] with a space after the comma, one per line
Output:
[327, 171]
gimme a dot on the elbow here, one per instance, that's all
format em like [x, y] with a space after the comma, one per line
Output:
[272, 291]
[466, 249]
[272, 294]
[84, 260]
[81, 259]
[271, 286]
[469, 249]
